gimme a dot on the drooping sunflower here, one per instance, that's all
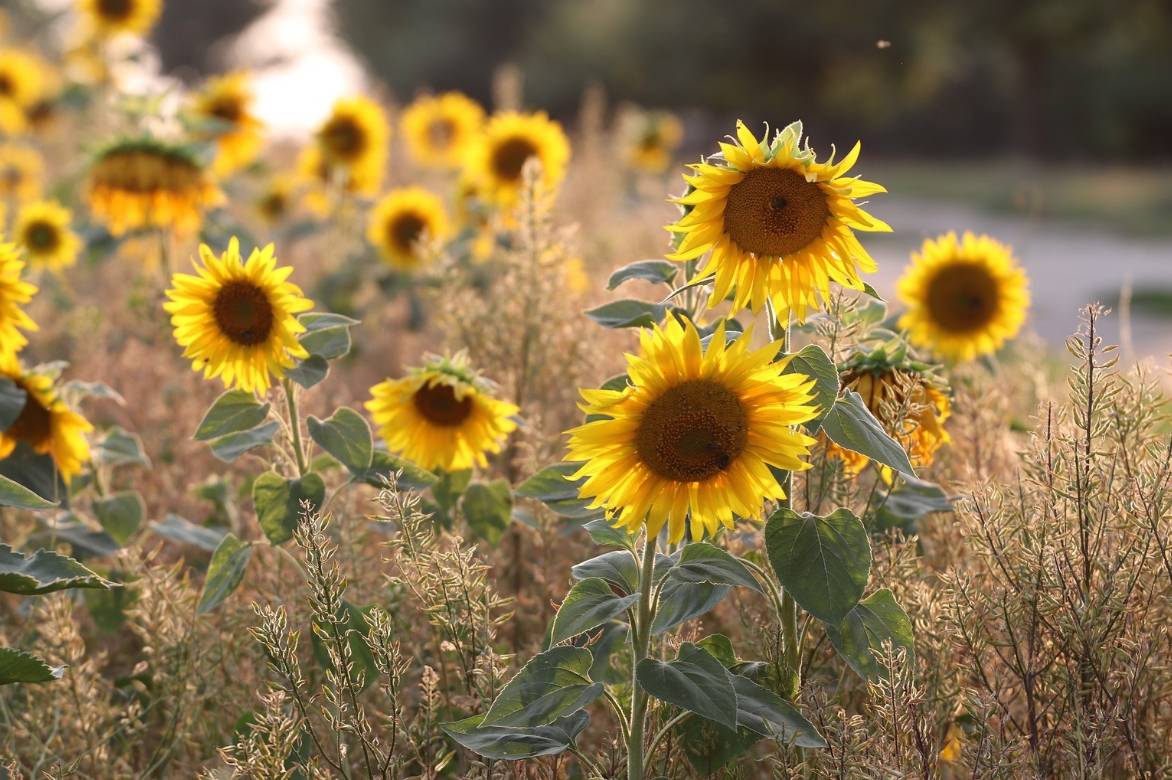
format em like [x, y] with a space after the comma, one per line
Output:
[42, 228]
[14, 294]
[509, 140]
[143, 182]
[225, 106]
[652, 139]
[21, 173]
[775, 223]
[352, 142]
[441, 416]
[402, 220]
[45, 423]
[965, 297]
[116, 17]
[236, 319]
[438, 129]
[690, 441]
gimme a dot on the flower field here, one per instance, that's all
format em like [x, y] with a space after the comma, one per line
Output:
[454, 440]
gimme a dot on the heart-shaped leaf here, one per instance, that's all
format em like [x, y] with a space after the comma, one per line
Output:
[346, 436]
[278, 502]
[823, 562]
[588, 605]
[225, 572]
[694, 681]
[550, 686]
[234, 411]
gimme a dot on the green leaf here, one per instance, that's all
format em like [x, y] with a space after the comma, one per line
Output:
[874, 620]
[177, 529]
[309, 372]
[16, 495]
[657, 271]
[449, 487]
[627, 313]
[911, 500]
[346, 436]
[503, 743]
[603, 533]
[17, 666]
[278, 502]
[607, 649]
[411, 477]
[704, 562]
[77, 390]
[120, 514]
[850, 424]
[588, 605]
[33, 471]
[12, 400]
[488, 508]
[814, 363]
[764, 712]
[229, 448]
[85, 540]
[823, 562]
[694, 681]
[119, 448]
[44, 572]
[719, 647]
[232, 412]
[225, 572]
[617, 567]
[550, 686]
[326, 335]
[553, 487]
[681, 601]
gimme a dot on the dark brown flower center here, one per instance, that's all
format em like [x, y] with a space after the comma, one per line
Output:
[115, 10]
[273, 205]
[650, 141]
[441, 132]
[226, 109]
[7, 89]
[774, 212]
[509, 157]
[243, 313]
[405, 230]
[438, 404]
[962, 297]
[34, 424]
[693, 431]
[41, 236]
[343, 138]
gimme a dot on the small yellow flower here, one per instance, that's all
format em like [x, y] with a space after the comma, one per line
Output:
[237, 319]
[353, 142]
[651, 139]
[441, 416]
[42, 228]
[439, 129]
[116, 17]
[509, 140]
[403, 221]
[23, 80]
[225, 105]
[21, 173]
[14, 294]
[45, 423]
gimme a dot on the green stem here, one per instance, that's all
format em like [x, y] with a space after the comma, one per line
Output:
[641, 639]
[294, 426]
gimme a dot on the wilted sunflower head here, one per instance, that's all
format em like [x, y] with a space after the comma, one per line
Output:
[116, 17]
[965, 297]
[690, 441]
[774, 222]
[14, 294]
[441, 416]
[42, 229]
[652, 139]
[224, 106]
[147, 183]
[438, 129]
[353, 140]
[45, 423]
[509, 141]
[403, 221]
[237, 319]
[21, 173]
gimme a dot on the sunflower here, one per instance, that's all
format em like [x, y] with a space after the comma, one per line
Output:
[225, 106]
[965, 297]
[353, 142]
[115, 17]
[438, 129]
[236, 319]
[276, 200]
[695, 433]
[45, 423]
[402, 220]
[652, 138]
[21, 173]
[441, 416]
[777, 223]
[508, 141]
[22, 85]
[14, 293]
[42, 228]
[146, 183]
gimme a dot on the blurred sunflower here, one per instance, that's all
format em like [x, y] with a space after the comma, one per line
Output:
[509, 140]
[438, 129]
[143, 183]
[441, 416]
[402, 220]
[652, 140]
[115, 17]
[21, 173]
[22, 84]
[237, 320]
[474, 218]
[225, 107]
[777, 224]
[45, 423]
[42, 228]
[694, 435]
[353, 142]
[965, 297]
[276, 200]
[14, 293]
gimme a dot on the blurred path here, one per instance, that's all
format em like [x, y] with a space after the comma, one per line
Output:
[1069, 265]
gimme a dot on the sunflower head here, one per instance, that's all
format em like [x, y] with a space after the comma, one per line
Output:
[652, 139]
[22, 77]
[774, 222]
[690, 441]
[438, 129]
[441, 416]
[276, 200]
[45, 423]
[237, 319]
[353, 141]
[509, 141]
[116, 17]
[225, 107]
[965, 296]
[402, 221]
[42, 228]
[21, 173]
[14, 294]
[143, 183]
